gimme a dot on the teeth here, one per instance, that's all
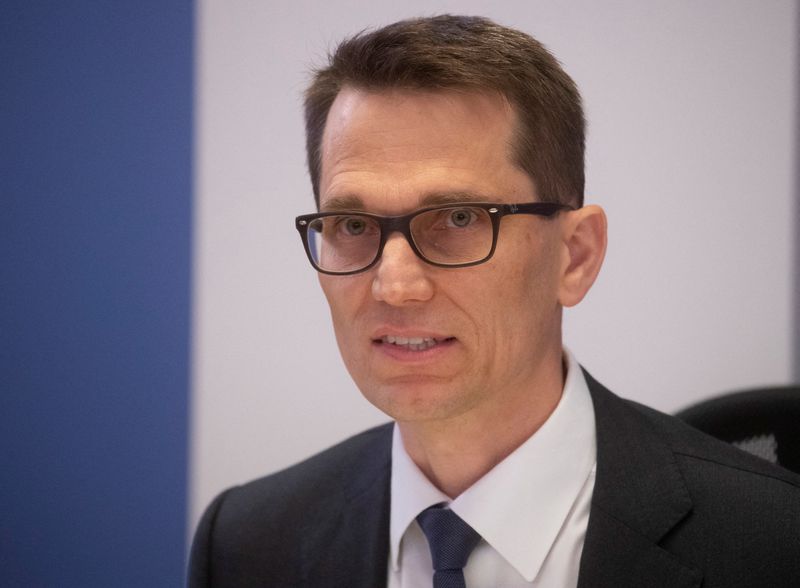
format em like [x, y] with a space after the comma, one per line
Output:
[413, 343]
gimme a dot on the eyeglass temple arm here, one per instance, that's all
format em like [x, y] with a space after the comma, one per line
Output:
[537, 208]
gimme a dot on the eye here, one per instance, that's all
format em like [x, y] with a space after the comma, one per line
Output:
[353, 225]
[461, 217]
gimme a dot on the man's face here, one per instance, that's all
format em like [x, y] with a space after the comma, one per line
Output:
[425, 343]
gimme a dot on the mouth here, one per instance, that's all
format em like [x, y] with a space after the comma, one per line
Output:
[413, 343]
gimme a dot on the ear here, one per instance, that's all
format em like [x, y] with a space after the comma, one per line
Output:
[584, 238]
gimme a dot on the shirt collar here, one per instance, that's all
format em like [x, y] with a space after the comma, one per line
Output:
[411, 493]
[521, 504]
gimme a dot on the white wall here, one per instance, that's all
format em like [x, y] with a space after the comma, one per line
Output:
[690, 150]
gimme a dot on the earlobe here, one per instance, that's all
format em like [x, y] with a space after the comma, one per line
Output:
[584, 247]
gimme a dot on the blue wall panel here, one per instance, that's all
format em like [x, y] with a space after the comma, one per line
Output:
[95, 211]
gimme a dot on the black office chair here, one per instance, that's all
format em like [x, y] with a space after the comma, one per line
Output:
[765, 422]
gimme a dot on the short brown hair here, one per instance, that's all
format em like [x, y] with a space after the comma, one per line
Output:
[469, 53]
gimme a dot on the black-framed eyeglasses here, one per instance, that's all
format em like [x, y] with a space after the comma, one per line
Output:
[450, 235]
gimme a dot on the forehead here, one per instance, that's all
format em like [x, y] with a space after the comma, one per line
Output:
[409, 143]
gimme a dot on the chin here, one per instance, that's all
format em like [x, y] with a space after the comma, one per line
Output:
[416, 398]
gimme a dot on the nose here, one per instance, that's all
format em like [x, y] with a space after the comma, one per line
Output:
[401, 277]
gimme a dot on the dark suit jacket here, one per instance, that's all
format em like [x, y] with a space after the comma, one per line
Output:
[671, 508]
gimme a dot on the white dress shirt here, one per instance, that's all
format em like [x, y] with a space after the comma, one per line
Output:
[531, 509]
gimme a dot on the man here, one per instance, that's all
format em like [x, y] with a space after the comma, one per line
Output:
[446, 157]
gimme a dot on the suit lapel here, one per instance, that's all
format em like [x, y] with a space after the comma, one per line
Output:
[639, 496]
[347, 540]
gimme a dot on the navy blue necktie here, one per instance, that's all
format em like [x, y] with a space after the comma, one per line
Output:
[451, 540]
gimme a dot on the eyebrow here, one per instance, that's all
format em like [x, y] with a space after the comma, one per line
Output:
[436, 198]
[349, 202]
[341, 203]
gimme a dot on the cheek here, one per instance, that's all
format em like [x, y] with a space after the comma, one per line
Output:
[525, 286]
[541, 266]
[345, 295]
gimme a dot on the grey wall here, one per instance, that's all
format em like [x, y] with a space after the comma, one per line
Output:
[691, 109]
[796, 260]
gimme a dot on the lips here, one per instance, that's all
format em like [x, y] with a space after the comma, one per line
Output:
[411, 343]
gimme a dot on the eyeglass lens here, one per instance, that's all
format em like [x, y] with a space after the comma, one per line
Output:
[448, 236]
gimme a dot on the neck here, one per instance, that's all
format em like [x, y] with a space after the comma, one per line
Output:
[457, 452]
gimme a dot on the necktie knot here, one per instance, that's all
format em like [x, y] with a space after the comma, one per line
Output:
[451, 540]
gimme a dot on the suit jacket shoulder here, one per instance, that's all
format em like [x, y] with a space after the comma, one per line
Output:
[671, 508]
[322, 518]
[675, 507]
